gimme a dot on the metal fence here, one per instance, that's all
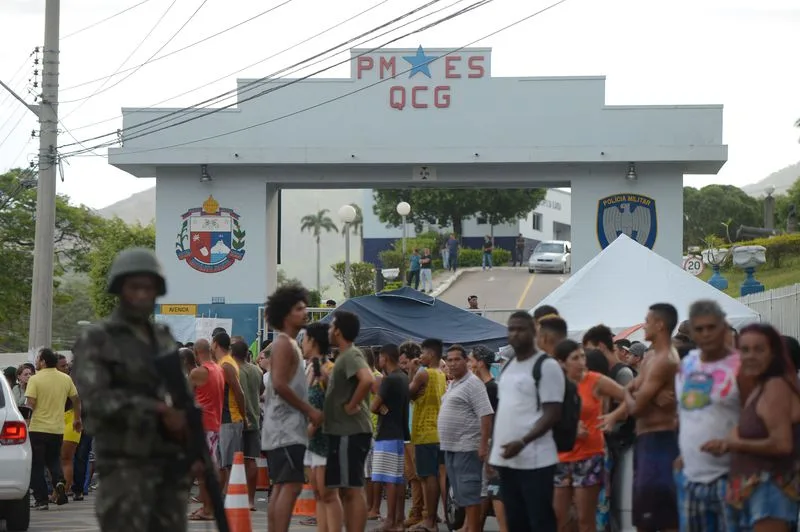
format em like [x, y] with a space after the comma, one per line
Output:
[779, 306]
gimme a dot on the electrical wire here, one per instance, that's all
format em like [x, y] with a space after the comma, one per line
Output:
[136, 49]
[90, 26]
[360, 89]
[250, 86]
[13, 80]
[169, 54]
[240, 91]
[14, 127]
[226, 76]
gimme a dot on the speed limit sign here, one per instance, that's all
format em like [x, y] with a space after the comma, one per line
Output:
[694, 265]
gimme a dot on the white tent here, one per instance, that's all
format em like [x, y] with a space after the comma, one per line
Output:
[618, 285]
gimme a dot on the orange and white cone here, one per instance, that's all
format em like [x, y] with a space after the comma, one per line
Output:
[262, 480]
[237, 505]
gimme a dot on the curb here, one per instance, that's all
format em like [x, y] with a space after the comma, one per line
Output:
[447, 283]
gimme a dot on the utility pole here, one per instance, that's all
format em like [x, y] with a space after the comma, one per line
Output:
[41, 319]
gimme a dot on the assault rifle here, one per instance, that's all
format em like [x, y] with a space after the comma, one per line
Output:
[170, 368]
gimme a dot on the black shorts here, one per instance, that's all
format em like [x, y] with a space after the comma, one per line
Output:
[428, 457]
[285, 464]
[251, 444]
[346, 457]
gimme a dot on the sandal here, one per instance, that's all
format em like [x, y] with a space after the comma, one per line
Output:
[199, 515]
[310, 521]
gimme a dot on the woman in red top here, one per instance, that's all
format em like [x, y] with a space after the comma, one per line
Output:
[208, 382]
[580, 472]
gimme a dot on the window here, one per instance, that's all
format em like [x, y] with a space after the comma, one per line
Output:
[482, 220]
[537, 221]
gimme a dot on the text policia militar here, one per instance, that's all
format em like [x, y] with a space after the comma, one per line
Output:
[421, 95]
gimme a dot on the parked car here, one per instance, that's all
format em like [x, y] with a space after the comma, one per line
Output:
[551, 256]
[15, 462]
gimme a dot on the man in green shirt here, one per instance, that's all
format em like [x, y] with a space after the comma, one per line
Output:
[250, 377]
[347, 422]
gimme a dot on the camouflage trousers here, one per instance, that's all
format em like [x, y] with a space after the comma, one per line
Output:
[141, 496]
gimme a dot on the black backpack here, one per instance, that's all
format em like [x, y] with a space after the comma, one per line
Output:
[565, 431]
[624, 436]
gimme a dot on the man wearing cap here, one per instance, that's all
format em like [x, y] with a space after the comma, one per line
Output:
[636, 353]
[138, 437]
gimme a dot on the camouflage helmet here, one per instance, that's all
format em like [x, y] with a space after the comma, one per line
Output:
[135, 261]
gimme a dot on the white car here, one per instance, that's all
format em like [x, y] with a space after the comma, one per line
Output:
[15, 463]
[551, 256]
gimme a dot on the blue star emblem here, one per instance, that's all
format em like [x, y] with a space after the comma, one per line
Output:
[419, 63]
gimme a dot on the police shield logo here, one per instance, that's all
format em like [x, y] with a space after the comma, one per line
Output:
[210, 239]
[631, 214]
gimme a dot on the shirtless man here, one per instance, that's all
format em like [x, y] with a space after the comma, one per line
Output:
[650, 398]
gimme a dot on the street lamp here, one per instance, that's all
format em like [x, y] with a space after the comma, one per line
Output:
[347, 213]
[769, 208]
[404, 209]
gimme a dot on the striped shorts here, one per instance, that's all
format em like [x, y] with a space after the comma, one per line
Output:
[702, 507]
[388, 461]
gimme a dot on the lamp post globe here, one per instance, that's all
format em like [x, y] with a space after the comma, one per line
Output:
[403, 208]
[347, 213]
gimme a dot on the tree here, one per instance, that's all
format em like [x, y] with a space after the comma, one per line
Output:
[73, 304]
[708, 210]
[314, 296]
[315, 224]
[76, 229]
[362, 277]
[117, 236]
[450, 207]
[357, 228]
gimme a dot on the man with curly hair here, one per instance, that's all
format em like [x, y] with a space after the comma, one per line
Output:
[284, 433]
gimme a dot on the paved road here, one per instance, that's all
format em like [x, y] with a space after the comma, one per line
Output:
[503, 288]
[79, 517]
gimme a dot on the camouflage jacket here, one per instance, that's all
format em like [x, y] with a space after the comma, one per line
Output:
[114, 369]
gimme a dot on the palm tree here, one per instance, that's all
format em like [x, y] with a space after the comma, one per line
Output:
[797, 124]
[315, 224]
[357, 226]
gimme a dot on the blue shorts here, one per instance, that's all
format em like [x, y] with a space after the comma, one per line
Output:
[766, 502]
[465, 473]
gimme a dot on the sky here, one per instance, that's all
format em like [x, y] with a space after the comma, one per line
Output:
[739, 53]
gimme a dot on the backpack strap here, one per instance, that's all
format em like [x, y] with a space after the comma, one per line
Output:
[537, 377]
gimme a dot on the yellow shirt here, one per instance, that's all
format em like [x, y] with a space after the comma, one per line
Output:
[51, 389]
[424, 424]
[229, 404]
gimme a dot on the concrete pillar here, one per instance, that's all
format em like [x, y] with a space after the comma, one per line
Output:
[271, 235]
[663, 184]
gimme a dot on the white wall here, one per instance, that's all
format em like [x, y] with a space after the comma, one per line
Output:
[244, 282]
[660, 183]
[556, 207]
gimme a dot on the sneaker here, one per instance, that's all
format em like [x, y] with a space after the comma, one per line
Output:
[77, 496]
[40, 506]
[61, 494]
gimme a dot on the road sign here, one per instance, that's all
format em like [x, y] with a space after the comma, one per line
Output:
[694, 265]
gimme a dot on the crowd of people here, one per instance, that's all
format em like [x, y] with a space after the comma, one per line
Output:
[534, 435]
[62, 461]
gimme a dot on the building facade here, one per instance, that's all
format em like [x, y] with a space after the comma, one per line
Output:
[404, 118]
[549, 221]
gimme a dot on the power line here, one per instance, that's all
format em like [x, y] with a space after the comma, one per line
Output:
[14, 80]
[204, 39]
[356, 91]
[136, 49]
[255, 83]
[226, 76]
[14, 127]
[90, 26]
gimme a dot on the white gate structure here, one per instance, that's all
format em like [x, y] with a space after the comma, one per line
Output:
[779, 306]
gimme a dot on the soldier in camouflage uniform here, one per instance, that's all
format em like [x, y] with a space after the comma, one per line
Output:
[139, 439]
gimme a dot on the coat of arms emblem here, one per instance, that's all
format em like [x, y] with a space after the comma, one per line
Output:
[210, 239]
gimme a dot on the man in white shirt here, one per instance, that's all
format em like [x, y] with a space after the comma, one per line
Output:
[523, 449]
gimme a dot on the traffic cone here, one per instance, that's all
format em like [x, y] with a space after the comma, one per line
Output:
[306, 505]
[237, 506]
[262, 480]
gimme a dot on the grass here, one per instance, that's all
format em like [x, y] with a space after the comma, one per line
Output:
[787, 274]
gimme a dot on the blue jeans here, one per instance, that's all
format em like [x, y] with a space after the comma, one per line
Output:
[487, 260]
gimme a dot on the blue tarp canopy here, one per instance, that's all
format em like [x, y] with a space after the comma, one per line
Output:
[405, 314]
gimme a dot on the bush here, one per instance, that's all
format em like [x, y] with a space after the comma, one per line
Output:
[470, 258]
[778, 247]
[393, 285]
[362, 277]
